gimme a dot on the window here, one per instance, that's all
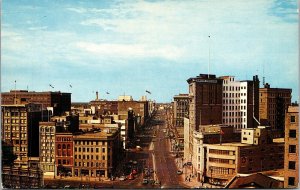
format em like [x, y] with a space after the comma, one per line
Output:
[292, 149]
[292, 133]
[292, 165]
[291, 181]
[293, 119]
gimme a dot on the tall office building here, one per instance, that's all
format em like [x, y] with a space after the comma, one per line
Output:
[20, 128]
[291, 154]
[273, 103]
[205, 106]
[240, 102]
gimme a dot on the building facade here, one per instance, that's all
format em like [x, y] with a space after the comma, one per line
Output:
[273, 103]
[47, 146]
[291, 159]
[96, 153]
[20, 128]
[64, 154]
[240, 102]
[181, 109]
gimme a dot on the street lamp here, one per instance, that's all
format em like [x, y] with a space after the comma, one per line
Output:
[211, 170]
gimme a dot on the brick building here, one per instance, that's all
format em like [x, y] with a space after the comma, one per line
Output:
[181, 109]
[273, 103]
[60, 101]
[291, 158]
[64, 153]
[205, 107]
[20, 128]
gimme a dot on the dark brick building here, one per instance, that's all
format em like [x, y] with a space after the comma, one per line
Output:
[205, 92]
[60, 101]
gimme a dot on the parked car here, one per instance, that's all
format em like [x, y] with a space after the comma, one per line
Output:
[179, 172]
[122, 178]
[189, 163]
[145, 181]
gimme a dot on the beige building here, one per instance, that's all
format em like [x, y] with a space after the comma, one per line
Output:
[228, 159]
[96, 153]
[47, 146]
[20, 128]
[291, 159]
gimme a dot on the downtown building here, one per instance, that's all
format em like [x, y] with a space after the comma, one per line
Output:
[240, 102]
[273, 104]
[56, 102]
[181, 109]
[256, 152]
[291, 154]
[20, 129]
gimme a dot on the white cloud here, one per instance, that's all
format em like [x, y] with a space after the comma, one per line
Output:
[130, 51]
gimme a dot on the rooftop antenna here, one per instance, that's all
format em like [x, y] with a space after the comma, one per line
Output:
[15, 92]
[264, 74]
[208, 55]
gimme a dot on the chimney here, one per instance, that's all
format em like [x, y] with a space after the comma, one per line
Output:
[97, 95]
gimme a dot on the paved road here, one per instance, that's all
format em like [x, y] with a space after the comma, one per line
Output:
[163, 158]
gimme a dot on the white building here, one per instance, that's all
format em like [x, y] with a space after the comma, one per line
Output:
[238, 98]
[124, 132]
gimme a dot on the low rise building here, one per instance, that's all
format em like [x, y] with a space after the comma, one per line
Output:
[226, 160]
[96, 153]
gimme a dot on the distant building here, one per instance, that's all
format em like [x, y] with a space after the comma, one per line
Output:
[125, 98]
[273, 103]
[64, 159]
[181, 109]
[47, 146]
[96, 153]
[291, 158]
[240, 102]
[60, 101]
[20, 128]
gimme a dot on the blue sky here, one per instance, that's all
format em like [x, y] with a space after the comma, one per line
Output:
[132, 46]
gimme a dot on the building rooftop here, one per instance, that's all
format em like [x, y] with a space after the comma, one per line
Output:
[103, 133]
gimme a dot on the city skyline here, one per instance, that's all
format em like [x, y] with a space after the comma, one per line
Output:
[129, 47]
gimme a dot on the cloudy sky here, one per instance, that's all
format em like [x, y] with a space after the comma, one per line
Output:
[132, 46]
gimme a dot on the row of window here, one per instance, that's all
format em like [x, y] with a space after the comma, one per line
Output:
[90, 164]
[16, 128]
[87, 157]
[47, 129]
[232, 114]
[222, 152]
[15, 121]
[237, 101]
[232, 95]
[91, 143]
[8, 135]
[79, 149]
[234, 88]
[232, 108]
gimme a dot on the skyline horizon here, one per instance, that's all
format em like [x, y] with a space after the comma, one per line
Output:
[136, 98]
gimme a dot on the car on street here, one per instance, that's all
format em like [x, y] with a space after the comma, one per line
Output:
[122, 178]
[179, 172]
[189, 163]
[151, 170]
[139, 148]
[145, 181]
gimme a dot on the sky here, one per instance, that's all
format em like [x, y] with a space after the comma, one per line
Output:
[128, 47]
